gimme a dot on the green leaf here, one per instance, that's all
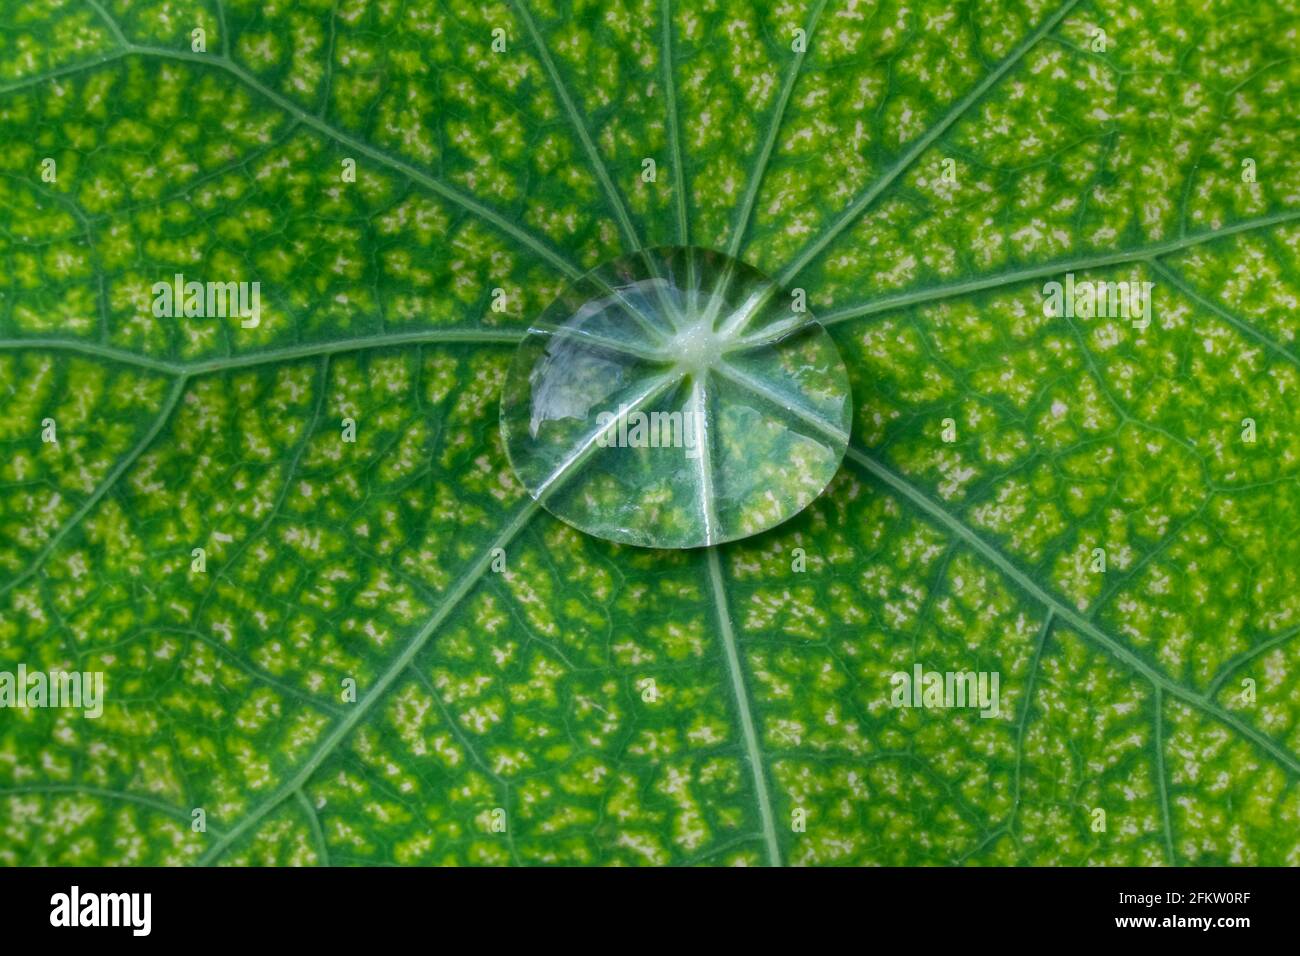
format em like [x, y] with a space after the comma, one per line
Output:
[675, 399]
[388, 651]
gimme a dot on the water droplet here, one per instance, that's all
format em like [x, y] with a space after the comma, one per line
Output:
[673, 399]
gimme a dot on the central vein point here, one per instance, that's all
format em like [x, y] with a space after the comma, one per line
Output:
[697, 348]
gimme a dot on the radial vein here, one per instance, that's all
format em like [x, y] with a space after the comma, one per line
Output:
[416, 175]
[72, 790]
[1091, 261]
[752, 750]
[1067, 613]
[855, 208]
[1236, 662]
[127, 460]
[674, 126]
[791, 406]
[773, 130]
[313, 821]
[344, 727]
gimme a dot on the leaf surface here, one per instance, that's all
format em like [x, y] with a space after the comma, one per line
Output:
[527, 693]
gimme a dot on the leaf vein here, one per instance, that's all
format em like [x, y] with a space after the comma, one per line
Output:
[753, 752]
[904, 162]
[1078, 622]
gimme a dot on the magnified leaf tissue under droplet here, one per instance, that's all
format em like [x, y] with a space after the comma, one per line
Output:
[673, 399]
